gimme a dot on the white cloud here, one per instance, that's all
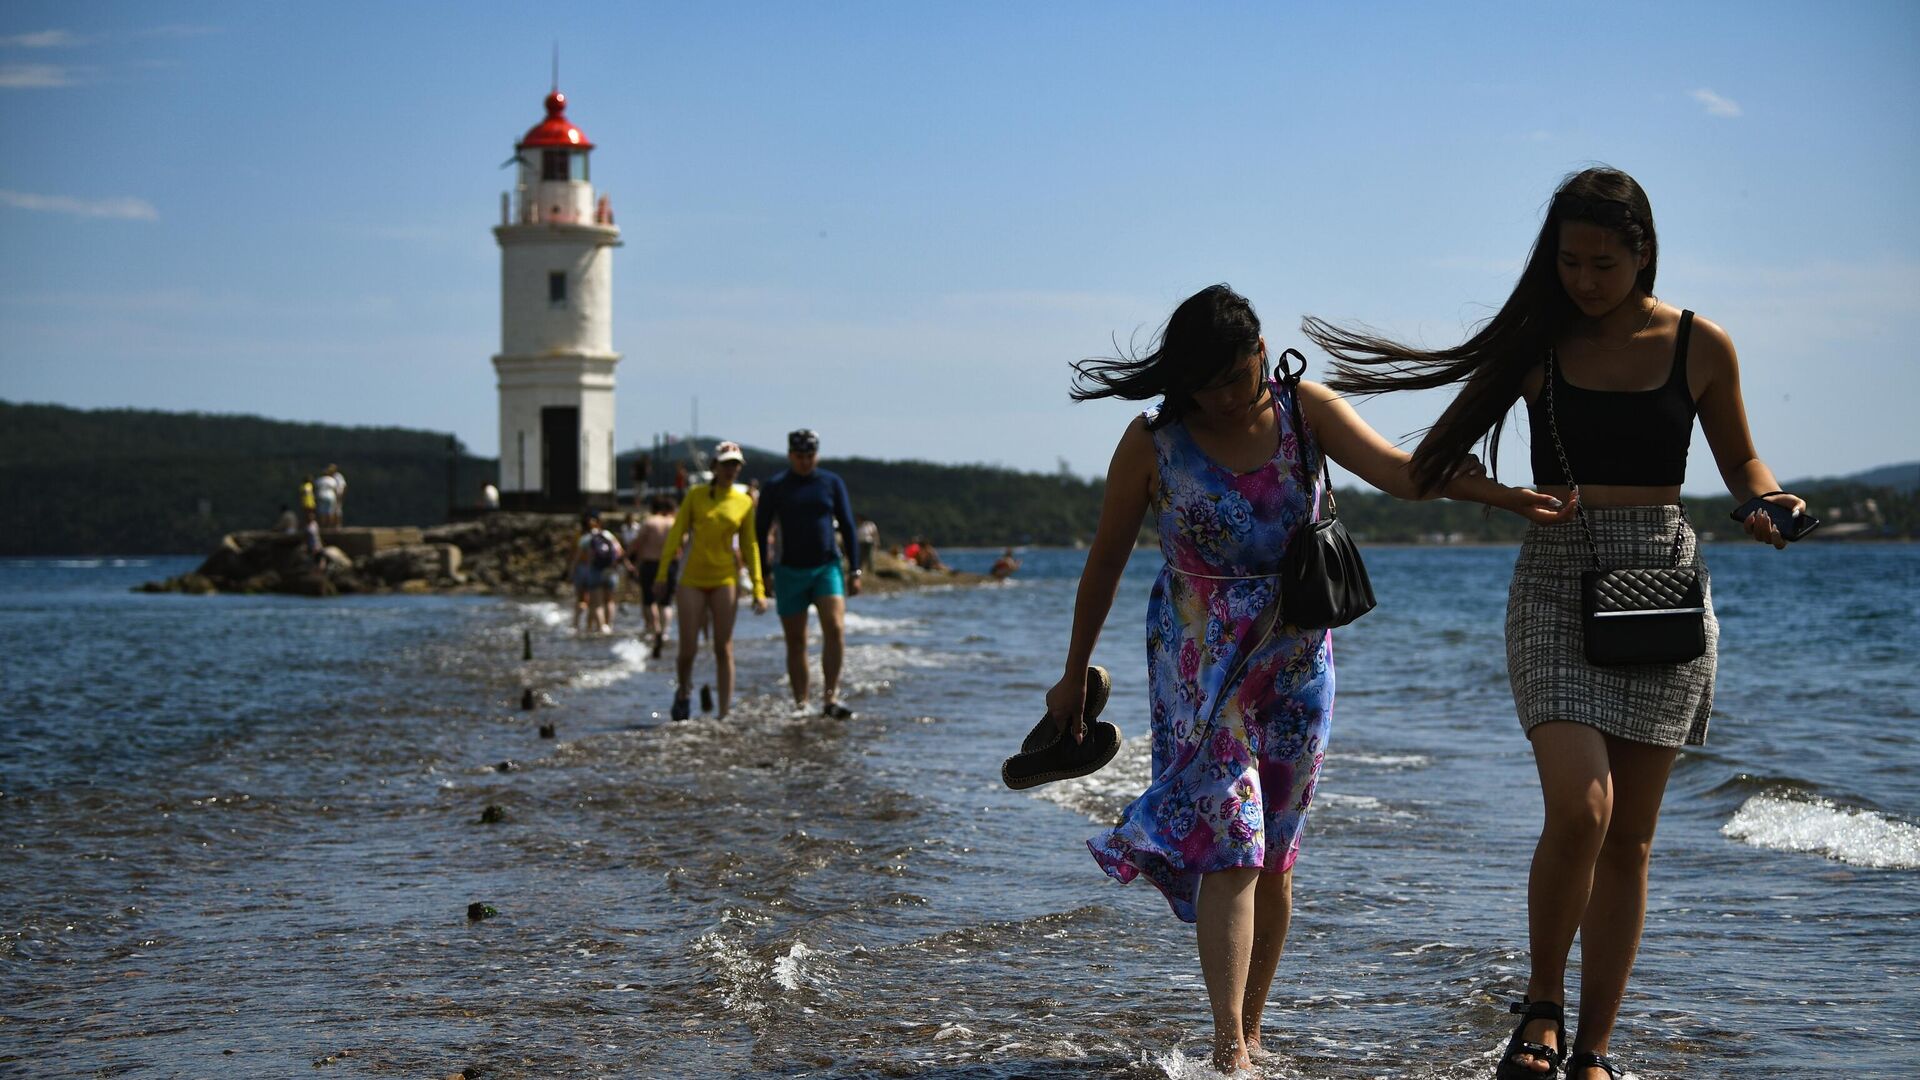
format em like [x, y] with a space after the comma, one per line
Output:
[1715, 104]
[124, 206]
[34, 76]
[39, 39]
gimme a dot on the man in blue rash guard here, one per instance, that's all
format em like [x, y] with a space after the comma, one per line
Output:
[808, 503]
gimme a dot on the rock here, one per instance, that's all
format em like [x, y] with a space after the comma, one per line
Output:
[527, 700]
[399, 565]
[546, 731]
[507, 766]
[477, 911]
[416, 586]
[492, 815]
[465, 535]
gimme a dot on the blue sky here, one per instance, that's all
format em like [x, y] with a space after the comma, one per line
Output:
[899, 223]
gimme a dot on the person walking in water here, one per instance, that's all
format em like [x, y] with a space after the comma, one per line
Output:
[1613, 378]
[649, 547]
[711, 518]
[809, 504]
[1228, 463]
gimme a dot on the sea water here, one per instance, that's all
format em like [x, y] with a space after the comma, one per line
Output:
[243, 832]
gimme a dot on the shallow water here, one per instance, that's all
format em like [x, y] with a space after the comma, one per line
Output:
[244, 834]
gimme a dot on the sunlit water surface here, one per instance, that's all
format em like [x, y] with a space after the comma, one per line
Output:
[244, 832]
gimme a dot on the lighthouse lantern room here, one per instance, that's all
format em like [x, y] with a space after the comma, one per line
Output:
[556, 359]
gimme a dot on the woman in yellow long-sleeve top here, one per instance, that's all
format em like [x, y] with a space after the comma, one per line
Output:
[710, 518]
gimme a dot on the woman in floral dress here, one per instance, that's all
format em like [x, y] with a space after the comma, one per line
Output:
[1237, 746]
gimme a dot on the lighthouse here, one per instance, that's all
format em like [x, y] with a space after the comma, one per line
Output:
[556, 359]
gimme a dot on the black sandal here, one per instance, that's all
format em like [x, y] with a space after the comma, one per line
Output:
[1587, 1059]
[1046, 732]
[1528, 1012]
[1048, 754]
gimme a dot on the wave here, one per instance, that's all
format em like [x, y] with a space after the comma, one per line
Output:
[94, 564]
[545, 612]
[629, 659]
[875, 624]
[1818, 826]
[1385, 761]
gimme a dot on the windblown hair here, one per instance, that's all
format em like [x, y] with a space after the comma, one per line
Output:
[1494, 362]
[1205, 337]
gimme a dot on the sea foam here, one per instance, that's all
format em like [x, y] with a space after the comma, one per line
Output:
[1850, 835]
[629, 659]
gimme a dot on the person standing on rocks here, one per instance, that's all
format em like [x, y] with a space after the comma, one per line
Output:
[339, 495]
[869, 531]
[808, 504]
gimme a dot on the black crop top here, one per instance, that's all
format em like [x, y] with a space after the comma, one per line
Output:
[1627, 437]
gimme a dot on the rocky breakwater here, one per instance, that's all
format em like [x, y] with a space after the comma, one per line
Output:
[504, 553]
[517, 554]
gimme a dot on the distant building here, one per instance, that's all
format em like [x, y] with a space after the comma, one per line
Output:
[556, 358]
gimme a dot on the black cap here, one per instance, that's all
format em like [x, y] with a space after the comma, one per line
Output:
[804, 441]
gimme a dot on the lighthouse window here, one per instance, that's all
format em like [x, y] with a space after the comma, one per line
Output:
[554, 165]
[557, 289]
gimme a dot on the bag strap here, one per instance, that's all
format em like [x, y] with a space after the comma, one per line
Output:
[1290, 379]
[1566, 469]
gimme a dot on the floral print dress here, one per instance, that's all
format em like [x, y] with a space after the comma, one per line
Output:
[1231, 786]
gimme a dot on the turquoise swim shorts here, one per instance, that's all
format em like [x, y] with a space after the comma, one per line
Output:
[795, 587]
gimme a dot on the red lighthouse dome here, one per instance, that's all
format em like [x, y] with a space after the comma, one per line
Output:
[556, 130]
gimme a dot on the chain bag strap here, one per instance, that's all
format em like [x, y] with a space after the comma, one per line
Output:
[1323, 583]
[1634, 615]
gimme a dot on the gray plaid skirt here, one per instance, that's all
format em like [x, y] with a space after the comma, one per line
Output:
[1661, 704]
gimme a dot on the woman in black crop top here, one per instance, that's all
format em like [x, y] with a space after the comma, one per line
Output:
[1621, 376]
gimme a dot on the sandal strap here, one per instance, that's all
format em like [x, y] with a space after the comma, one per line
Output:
[1587, 1059]
[1538, 1010]
[1542, 1051]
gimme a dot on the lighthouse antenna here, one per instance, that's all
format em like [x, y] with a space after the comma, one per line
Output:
[556, 65]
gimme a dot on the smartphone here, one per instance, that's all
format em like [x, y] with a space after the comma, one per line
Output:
[1792, 525]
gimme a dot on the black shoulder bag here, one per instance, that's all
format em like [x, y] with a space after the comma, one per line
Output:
[1638, 615]
[1323, 583]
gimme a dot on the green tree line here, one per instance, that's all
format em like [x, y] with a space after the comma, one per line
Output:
[133, 481]
[128, 481]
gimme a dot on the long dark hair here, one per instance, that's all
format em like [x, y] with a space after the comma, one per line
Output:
[1209, 333]
[1495, 360]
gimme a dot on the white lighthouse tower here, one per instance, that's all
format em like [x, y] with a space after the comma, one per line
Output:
[556, 357]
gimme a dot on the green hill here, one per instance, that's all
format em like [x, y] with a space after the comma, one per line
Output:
[129, 481]
[138, 481]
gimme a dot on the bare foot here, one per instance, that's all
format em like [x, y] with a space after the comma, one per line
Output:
[1231, 1057]
[1254, 1053]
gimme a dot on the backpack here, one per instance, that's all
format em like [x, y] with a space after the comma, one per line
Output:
[600, 547]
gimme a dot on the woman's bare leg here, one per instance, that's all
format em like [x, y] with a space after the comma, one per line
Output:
[724, 610]
[1224, 917]
[692, 603]
[1610, 933]
[1272, 912]
[1577, 788]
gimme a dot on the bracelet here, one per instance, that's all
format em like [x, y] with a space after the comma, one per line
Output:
[1771, 494]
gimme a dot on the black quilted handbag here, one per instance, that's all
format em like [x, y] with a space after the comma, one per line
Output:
[1639, 615]
[1323, 583]
[1645, 616]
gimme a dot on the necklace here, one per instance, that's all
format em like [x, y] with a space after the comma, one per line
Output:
[1652, 306]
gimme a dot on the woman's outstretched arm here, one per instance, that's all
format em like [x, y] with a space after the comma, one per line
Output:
[1130, 480]
[1358, 448]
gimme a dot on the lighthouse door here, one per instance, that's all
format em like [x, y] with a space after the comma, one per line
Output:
[560, 454]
